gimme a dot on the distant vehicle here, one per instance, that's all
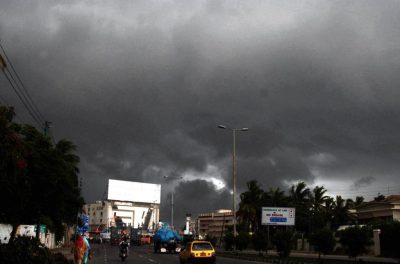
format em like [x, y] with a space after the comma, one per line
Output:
[145, 239]
[166, 239]
[117, 234]
[135, 237]
[105, 236]
[198, 251]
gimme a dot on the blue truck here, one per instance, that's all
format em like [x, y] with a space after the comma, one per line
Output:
[166, 239]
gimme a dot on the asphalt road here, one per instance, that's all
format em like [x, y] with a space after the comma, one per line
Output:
[107, 254]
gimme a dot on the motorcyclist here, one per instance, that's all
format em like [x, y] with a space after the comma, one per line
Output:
[124, 245]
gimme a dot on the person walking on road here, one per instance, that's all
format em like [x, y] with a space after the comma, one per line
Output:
[87, 248]
[79, 249]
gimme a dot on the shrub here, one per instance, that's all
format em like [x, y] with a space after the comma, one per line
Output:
[283, 240]
[355, 240]
[260, 241]
[323, 241]
[229, 241]
[390, 239]
[30, 251]
[242, 240]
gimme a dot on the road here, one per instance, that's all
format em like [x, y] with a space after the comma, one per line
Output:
[107, 254]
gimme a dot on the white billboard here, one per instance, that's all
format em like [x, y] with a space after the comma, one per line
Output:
[134, 191]
[278, 216]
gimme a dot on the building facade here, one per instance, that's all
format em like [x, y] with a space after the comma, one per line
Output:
[214, 224]
[386, 210]
[103, 214]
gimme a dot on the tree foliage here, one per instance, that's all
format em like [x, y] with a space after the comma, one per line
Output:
[242, 240]
[355, 240]
[29, 250]
[390, 238]
[314, 209]
[283, 241]
[260, 240]
[323, 241]
[39, 180]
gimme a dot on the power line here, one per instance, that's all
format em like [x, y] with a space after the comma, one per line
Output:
[23, 93]
[37, 111]
[22, 100]
[29, 102]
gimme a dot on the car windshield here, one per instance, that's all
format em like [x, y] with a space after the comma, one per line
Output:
[202, 246]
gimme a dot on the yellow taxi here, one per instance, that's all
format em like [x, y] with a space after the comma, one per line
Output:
[197, 252]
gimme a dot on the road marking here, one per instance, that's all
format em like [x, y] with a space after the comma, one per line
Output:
[105, 254]
[149, 259]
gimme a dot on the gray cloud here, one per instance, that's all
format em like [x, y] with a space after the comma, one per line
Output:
[140, 87]
[362, 182]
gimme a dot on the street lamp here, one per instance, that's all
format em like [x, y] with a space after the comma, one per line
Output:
[172, 200]
[234, 170]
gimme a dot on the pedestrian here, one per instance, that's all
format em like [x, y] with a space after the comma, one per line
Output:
[87, 248]
[79, 249]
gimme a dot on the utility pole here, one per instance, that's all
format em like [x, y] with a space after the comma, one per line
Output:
[234, 172]
[46, 129]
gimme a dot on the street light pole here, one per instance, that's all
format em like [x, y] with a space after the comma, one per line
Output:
[172, 208]
[234, 181]
[172, 199]
[234, 171]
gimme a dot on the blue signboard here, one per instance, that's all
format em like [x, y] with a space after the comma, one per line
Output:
[278, 219]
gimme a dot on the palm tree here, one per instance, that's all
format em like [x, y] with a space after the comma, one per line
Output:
[318, 198]
[300, 198]
[275, 197]
[318, 201]
[340, 212]
[68, 168]
[250, 206]
[355, 203]
[300, 194]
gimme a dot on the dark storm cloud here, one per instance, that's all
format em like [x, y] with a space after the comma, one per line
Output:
[194, 197]
[362, 182]
[140, 87]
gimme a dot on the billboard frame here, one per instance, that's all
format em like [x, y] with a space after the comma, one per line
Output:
[278, 216]
[130, 191]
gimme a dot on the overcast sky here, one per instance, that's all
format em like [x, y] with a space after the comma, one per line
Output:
[140, 87]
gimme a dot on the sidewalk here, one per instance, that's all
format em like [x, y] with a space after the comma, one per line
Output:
[297, 254]
[66, 251]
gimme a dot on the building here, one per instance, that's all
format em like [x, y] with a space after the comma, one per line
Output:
[214, 224]
[133, 204]
[103, 214]
[386, 210]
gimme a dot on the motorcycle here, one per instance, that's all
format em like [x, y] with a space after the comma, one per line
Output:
[123, 250]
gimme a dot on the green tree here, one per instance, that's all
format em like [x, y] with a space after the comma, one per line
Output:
[229, 239]
[283, 241]
[390, 238]
[275, 197]
[319, 213]
[323, 241]
[242, 240]
[250, 206]
[340, 212]
[15, 190]
[355, 240]
[356, 203]
[300, 199]
[260, 240]
[40, 180]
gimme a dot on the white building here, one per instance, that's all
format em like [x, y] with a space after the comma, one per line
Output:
[102, 214]
[136, 204]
